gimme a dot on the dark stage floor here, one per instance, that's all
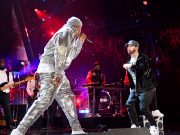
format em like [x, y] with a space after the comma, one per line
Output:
[96, 126]
[89, 131]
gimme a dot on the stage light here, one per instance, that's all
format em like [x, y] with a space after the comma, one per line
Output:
[52, 33]
[78, 101]
[145, 2]
[41, 14]
[36, 10]
[22, 63]
[84, 111]
[26, 31]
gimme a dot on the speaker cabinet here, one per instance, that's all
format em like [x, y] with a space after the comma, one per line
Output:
[159, 121]
[124, 131]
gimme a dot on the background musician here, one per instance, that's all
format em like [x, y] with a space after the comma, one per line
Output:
[97, 78]
[5, 79]
[32, 88]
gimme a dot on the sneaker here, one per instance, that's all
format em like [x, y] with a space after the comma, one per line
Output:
[157, 113]
[97, 115]
[134, 126]
[90, 115]
[154, 130]
[78, 132]
[16, 132]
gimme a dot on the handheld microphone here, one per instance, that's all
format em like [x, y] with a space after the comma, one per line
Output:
[88, 40]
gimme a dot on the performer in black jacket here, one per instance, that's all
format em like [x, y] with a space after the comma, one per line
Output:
[142, 85]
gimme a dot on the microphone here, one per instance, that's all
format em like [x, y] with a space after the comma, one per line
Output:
[90, 41]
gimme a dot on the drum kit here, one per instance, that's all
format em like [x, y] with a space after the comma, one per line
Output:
[110, 99]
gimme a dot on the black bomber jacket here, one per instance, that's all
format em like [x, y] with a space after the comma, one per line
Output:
[144, 79]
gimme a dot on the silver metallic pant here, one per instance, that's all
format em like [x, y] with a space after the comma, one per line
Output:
[48, 92]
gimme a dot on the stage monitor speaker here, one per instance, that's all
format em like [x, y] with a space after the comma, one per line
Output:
[124, 131]
[159, 121]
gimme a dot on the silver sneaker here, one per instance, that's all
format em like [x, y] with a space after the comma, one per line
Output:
[78, 132]
[16, 132]
[97, 115]
[90, 115]
[134, 126]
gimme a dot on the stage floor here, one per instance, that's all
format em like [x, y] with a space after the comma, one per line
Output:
[94, 125]
[68, 132]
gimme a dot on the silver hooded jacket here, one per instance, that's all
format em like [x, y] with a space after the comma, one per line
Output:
[59, 52]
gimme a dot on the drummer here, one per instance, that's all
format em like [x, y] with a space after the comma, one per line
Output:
[97, 77]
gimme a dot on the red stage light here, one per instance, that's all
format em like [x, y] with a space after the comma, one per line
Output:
[52, 33]
[78, 101]
[41, 14]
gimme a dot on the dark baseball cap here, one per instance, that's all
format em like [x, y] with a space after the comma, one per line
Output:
[132, 43]
[97, 63]
[2, 58]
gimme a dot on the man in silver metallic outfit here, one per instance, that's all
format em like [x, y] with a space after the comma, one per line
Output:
[58, 54]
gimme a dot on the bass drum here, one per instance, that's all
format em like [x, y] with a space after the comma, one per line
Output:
[105, 102]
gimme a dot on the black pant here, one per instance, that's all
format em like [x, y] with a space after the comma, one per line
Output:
[153, 105]
[145, 99]
[94, 103]
[30, 101]
[5, 103]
